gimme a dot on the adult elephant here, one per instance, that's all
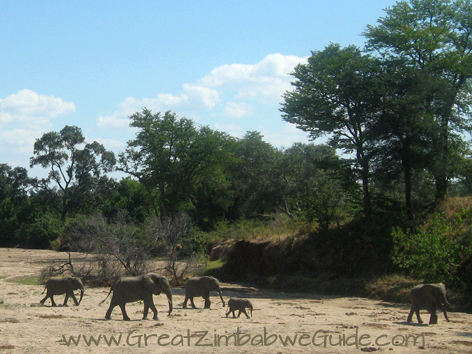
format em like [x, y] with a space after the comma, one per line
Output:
[201, 286]
[143, 287]
[428, 297]
[63, 285]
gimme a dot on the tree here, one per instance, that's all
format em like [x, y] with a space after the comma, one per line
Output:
[335, 96]
[14, 184]
[312, 183]
[171, 157]
[433, 37]
[73, 172]
[129, 196]
[402, 133]
[255, 192]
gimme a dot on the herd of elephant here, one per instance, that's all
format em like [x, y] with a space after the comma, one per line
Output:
[143, 287]
[428, 297]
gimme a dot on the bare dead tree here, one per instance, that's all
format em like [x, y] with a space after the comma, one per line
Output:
[111, 243]
[176, 233]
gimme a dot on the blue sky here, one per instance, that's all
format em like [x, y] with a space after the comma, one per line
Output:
[222, 63]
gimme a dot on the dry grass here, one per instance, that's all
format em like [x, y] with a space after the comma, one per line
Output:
[455, 205]
[392, 288]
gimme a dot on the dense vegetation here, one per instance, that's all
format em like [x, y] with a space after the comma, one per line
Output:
[397, 117]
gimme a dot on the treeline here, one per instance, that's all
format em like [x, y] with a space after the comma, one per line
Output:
[396, 115]
[174, 167]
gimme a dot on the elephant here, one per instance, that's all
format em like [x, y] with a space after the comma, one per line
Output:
[142, 287]
[63, 285]
[239, 304]
[201, 286]
[428, 297]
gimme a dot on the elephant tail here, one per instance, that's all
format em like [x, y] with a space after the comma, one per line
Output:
[111, 289]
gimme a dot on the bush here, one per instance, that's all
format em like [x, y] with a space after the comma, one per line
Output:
[434, 253]
[116, 244]
[41, 233]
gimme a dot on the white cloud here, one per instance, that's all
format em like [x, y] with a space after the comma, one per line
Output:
[208, 97]
[286, 137]
[28, 113]
[24, 117]
[193, 97]
[232, 129]
[238, 110]
[227, 92]
[27, 104]
[265, 81]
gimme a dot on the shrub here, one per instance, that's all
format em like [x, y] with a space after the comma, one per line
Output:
[435, 252]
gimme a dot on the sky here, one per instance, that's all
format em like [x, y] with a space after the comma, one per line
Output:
[222, 63]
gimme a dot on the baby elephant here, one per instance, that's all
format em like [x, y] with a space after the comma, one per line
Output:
[428, 297]
[239, 304]
[66, 285]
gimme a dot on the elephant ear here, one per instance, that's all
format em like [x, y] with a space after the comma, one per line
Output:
[150, 284]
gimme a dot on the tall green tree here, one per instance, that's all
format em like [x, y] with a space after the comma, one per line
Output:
[171, 157]
[402, 133]
[255, 192]
[335, 96]
[435, 38]
[75, 168]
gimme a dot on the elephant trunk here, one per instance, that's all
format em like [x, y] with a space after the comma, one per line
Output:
[445, 307]
[168, 293]
[81, 294]
[221, 297]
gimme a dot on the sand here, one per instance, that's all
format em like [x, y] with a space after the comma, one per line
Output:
[281, 322]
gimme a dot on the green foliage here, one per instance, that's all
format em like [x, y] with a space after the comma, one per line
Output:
[75, 168]
[335, 95]
[434, 254]
[171, 157]
[41, 232]
[432, 39]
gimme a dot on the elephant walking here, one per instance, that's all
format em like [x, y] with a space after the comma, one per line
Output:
[131, 289]
[428, 297]
[239, 304]
[63, 285]
[201, 286]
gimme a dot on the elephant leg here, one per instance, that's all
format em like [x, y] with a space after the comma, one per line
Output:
[149, 304]
[227, 313]
[52, 301]
[74, 298]
[145, 312]
[123, 311]
[192, 303]
[239, 313]
[153, 308]
[207, 301]
[65, 300]
[185, 301]
[418, 316]
[410, 315]
[44, 300]
[434, 317]
[110, 309]
[244, 311]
